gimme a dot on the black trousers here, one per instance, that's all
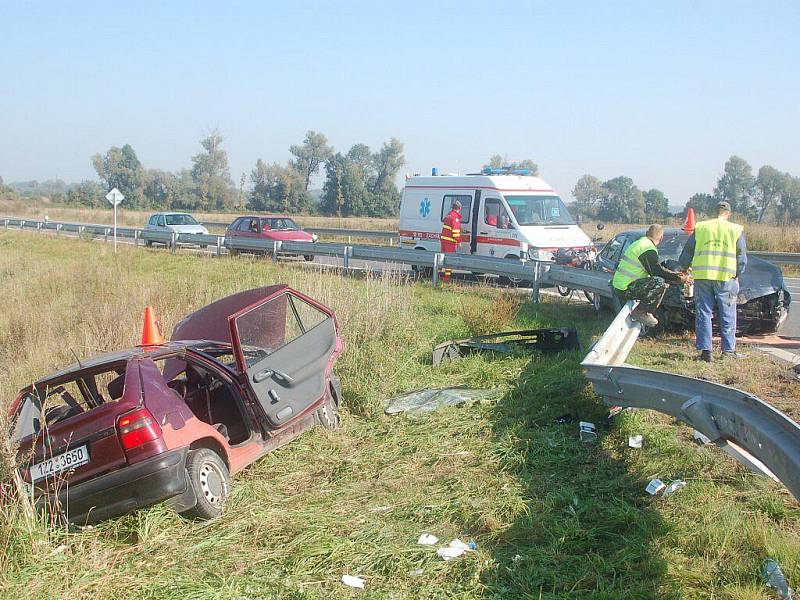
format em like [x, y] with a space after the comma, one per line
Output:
[649, 291]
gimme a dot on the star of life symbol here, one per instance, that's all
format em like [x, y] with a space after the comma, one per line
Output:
[425, 207]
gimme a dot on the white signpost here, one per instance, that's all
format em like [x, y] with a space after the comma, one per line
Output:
[115, 197]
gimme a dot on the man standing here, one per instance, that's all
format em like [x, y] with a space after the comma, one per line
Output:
[717, 252]
[640, 276]
[451, 234]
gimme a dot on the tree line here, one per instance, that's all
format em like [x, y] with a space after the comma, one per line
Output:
[768, 196]
[358, 183]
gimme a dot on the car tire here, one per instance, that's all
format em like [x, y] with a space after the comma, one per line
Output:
[208, 476]
[148, 243]
[203, 246]
[308, 257]
[328, 413]
[233, 252]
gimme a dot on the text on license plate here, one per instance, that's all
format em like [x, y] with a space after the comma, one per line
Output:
[63, 462]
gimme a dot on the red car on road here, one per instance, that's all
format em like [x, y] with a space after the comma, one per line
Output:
[239, 378]
[273, 228]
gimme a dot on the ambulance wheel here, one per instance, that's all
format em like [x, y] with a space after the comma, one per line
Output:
[308, 257]
[563, 290]
[233, 252]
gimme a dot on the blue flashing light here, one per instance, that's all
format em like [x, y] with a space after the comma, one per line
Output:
[434, 171]
[505, 171]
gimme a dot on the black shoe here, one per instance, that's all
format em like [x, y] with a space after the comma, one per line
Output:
[735, 355]
[705, 356]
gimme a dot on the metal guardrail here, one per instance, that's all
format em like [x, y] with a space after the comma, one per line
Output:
[752, 431]
[595, 282]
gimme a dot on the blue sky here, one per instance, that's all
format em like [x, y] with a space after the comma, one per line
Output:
[661, 93]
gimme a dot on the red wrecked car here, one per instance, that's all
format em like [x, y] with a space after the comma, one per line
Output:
[273, 228]
[174, 420]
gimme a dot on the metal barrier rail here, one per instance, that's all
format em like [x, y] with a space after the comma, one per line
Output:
[752, 431]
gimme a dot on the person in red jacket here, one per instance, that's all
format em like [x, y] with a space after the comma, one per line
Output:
[451, 234]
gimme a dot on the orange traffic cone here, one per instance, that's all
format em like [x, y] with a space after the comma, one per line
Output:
[151, 335]
[688, 226]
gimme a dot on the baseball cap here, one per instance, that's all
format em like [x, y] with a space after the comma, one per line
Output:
[723, 205]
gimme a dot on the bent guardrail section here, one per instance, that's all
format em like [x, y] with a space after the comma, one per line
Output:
[755, 433]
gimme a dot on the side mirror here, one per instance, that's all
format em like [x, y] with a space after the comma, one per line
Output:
[600, 227]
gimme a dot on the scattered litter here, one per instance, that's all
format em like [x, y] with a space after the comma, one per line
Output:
[425, 401]
[417, 572]
[59, 550]
[674, 487]
[517, 559]
[613, 411]
[427, 539]
[773, 577]
[380, 509]
[701, 438]
[635, 441]
[588, 431]
[553, 339]
[455, 549]
[655, 486]
[564, 419]
[354, 582]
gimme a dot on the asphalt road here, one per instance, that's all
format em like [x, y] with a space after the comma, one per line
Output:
[791, 326]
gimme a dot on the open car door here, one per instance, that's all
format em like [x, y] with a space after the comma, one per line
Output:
[284, 344]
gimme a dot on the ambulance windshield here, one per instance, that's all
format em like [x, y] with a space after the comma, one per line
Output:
[539, 210]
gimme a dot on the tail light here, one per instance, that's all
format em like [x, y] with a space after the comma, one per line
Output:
[137, 428]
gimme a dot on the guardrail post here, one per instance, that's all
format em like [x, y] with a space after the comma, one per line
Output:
[174, 242]
[219, 246]
[5, 223]
[136, 238]
[437, 259]
[39, 226]
[107, 231]
[276, 247]
[22, 224]
[58, 229]
[537, 275]
[81, 229]
[346, 257]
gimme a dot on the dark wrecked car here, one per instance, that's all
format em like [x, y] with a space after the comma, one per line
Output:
[174, 420]
[763, 301]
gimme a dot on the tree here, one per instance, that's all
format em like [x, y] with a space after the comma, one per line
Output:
[387, 163]
[310, 155]
[498, 162]
[702, 203]
[623, 201]
[769, 185]
[120, 168]
[789, 201]
[212, 179]
[656, 205]
[588, 193]
[87, 193]
[736, 186]
[278, 188]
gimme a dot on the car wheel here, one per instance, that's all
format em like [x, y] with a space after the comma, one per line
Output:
[209, 478]
[148, 243]
[328, 413]
[563, 290]
[308, 257]
[233, 252]
[203, 246]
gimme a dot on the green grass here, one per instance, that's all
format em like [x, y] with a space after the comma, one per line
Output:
[552, 517]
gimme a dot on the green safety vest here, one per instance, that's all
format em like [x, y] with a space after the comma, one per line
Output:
[630, 268]
[715, 249]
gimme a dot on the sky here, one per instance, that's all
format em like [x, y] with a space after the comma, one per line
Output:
[663, 93]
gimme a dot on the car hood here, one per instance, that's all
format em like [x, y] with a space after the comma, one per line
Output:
[187, 228]
[760, 278]
[555, 236]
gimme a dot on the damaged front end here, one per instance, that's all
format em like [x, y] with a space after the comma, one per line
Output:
[552, 339]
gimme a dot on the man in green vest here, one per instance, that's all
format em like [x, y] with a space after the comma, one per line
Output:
[640, 276]
[717, 252]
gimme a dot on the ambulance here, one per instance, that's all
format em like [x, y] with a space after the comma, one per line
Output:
[505, 214]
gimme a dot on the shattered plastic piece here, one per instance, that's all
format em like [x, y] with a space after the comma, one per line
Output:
[457, 543]
[655, 486]
[700, 438]
[425, 401]
[448, 553]
[588, 431]
[635, 441]
[417, 572]
[773, 577]
[564, 419]
[553, 339]
[381, 509]
[674, 487]
[354, 582]
[427, 539]
[472, 545]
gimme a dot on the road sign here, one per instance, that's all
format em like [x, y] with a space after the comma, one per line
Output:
[115, 197]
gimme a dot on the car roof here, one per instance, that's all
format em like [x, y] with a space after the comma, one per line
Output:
[668, 232]
[263, 217]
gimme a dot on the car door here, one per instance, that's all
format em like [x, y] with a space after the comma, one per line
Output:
[284, 345]
[496, 233]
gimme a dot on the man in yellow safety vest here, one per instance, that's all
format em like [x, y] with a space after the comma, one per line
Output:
[640, 276]
[717, 252]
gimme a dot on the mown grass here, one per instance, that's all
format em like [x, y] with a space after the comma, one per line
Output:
[552, 517]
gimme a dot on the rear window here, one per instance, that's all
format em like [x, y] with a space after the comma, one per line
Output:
[181, 219]
[44, 407]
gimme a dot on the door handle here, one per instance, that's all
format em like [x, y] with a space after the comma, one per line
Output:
[484, 233]
[267, 373]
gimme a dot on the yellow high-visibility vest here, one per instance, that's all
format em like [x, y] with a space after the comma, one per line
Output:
[715, 249]
[630, 268]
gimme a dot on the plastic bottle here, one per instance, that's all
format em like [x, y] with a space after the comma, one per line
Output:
[774, 578]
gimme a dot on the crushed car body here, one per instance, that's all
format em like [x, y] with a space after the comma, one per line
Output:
[174, 420]
[763, 301]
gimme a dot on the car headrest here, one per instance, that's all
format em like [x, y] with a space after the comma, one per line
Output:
[115, 387]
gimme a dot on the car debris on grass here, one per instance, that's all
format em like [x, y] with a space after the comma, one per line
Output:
[551, 339]
[429, 400]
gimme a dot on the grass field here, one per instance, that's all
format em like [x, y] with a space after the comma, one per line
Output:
[552, 517]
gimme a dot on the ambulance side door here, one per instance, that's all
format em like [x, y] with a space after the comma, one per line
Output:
[497, 236]
[466, 216]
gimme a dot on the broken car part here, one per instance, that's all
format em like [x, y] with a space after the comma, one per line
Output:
[553, 339]
[425, 401]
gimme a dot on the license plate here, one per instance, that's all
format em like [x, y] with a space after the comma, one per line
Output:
[58, 464]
